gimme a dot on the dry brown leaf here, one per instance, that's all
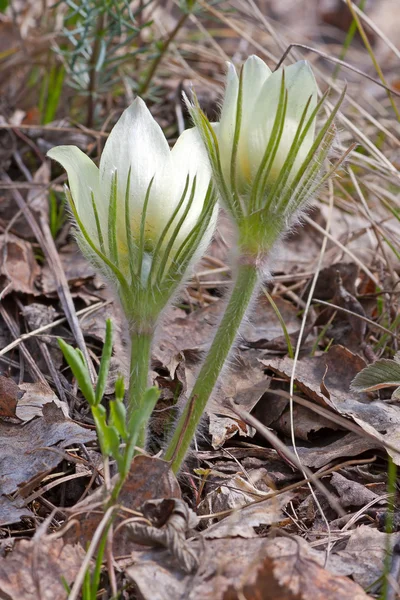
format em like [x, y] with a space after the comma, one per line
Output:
[364, 555]
[26, 450]
[12, 511]
[245, 384]
[76, 268]
[352, 493]
[327, 378]
[33, 397]
[149, 478]
[35, 569]
[306, 423]
[242, 522]
[233, 569]
[349, 445]
[9, 394]
[38, 198]
[17, 266]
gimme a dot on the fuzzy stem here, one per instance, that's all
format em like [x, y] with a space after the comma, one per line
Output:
[138, 376]
[245, 285]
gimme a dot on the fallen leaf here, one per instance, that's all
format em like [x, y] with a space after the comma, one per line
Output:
[245, 384]
[364, 554]
[76, 267]
[33, 397]
[352, 493]
[18, 265]
[12, 511]
[242, 522]
[9, 394]
[36, 569]
[347, 445]
[231, 492]
[171, 522]
[234, 569]
[25, 449]
[149, 478]
[38, 198]
[327, 379]
[305, 421]
[326, 284]
[263, 325]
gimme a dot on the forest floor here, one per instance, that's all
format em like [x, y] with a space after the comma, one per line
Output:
[244, 519]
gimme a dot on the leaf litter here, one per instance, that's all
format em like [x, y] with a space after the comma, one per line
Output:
[245, 536]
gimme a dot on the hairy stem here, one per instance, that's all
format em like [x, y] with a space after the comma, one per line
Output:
[138, 376]
[245, 285]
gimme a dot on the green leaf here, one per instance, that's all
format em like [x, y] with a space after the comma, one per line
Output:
[104, 363]
[381, 374]
[120, 388]
[236, 136]
[99, 416]
[160, 242]
[3, 5]
[109, 439]
[79, 369]
[141, 415]
[55, 85]
[118, 417]
[112, 220]
[98, 226]
[113, 442]
[142, 236]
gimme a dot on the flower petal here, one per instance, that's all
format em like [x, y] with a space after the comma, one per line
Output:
[255, 74]
[135, 142]
[189, 157]
[83, 178]
[227, 123]
[301, 86]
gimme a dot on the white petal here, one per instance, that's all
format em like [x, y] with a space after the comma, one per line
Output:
[83, 178]
[255, 74]
[188, 159]
[227, 124]
[135, 142]
[301, 86]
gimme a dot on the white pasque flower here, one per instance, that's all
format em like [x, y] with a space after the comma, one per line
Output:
[265, 152]
[148, 212]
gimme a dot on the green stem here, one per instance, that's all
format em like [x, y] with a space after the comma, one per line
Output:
[138, 376]
[226, 334]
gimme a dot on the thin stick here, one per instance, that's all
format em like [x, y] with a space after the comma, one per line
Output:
[280, 446]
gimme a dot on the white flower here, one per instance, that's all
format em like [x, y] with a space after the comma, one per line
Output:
[147, 212]
[265, 153]
[261, 98]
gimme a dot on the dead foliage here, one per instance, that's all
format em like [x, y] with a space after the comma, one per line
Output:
[240, 522]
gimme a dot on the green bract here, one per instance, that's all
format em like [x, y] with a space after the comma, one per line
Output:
[146, 214]
[265, 154]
